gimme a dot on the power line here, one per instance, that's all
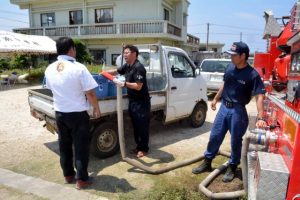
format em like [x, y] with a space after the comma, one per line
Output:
[228, 26]
[15, 13]
[14, 20]
[237, 27]
[218, 33]
[198, 24]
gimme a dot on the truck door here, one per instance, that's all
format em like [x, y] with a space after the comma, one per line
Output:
[183, 87]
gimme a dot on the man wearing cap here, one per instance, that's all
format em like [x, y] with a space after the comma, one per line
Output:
[241, 82]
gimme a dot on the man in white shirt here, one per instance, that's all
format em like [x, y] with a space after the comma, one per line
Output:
[72, 86]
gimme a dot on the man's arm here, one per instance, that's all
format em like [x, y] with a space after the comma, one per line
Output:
[91, 96]
[217, 97]
[134, 86]
[260, 110]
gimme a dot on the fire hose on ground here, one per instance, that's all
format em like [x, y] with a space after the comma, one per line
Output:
[203, 185]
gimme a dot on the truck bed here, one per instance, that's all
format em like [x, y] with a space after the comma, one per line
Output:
[41, 100]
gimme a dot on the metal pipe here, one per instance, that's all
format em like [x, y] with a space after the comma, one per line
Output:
[244, 162]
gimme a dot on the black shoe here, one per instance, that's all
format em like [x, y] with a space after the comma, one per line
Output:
[230, 173]
[205, 166]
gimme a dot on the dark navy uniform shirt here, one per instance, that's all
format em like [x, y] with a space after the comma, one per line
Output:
[241, 84]
[135, 74]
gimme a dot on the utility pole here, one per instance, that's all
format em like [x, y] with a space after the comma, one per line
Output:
[207, 37]
[241, 36]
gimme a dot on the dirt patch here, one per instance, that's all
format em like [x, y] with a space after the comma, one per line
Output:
[219, 186]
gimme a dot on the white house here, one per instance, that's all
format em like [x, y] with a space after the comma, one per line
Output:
[105, 25]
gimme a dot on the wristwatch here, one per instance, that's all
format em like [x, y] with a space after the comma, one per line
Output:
[260, 118]
[125, 84]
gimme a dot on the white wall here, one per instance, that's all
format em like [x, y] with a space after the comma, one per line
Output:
[123, 10]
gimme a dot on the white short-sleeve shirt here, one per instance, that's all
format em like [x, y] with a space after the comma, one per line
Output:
[69, 80]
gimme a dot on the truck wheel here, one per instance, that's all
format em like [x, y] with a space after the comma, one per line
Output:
[198, 115]
[105, 141]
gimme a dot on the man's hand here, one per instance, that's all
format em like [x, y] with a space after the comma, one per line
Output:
[213, 104]
[96, 113]
[119, 83]
[261, 123]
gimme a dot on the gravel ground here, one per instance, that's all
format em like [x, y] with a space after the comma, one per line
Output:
[26, 147]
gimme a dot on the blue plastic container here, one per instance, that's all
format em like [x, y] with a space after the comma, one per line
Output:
[112, 90]
[102, 89]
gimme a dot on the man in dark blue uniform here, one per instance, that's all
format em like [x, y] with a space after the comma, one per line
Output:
[241, 82]
[139, 99]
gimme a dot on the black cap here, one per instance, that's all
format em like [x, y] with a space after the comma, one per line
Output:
[238, 48]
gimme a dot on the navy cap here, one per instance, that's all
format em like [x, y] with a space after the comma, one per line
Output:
[238, 48]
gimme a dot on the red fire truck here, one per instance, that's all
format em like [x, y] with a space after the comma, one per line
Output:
[273, 161]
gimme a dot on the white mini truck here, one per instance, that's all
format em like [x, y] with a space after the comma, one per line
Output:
[177, 92]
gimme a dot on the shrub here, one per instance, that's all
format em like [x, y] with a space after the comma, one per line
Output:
[82, 55]
[20, 62]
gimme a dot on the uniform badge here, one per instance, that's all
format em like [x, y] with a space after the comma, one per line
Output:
[60, 67]
[139, 77]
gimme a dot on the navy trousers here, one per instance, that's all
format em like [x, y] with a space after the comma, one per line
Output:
[235, 120]
[73, 128]
[139, 111]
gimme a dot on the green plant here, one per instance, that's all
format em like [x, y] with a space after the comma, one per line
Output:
[94, 69]
[36, 74]
[20, 62]
[82, 55]
[4, 64]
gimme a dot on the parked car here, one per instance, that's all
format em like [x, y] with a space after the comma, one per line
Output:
[212, 70]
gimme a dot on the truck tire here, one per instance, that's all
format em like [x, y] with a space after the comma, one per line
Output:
[105, 142]
[198, 115]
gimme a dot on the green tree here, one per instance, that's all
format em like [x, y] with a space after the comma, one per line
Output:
[20, 62]
[82, 55]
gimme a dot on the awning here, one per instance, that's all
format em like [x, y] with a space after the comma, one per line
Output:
[16, 43]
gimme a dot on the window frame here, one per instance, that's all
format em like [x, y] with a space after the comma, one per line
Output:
[167, 14]
[47, 24]
[104, 21]
[188, 61]
[75, 11]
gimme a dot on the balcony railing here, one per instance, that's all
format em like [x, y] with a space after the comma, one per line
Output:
[105, 29]
[193, 40]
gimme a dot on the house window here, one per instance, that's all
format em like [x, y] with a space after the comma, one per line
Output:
[75, 17]
[99, 56]
[114, 59]
[104, 15]
[166, 15]
[48, 19]
[184, 20]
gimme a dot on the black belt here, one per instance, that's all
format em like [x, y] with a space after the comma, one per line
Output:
[230, 104]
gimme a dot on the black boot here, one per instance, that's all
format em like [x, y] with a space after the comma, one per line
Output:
[230, 173]
[205, 166]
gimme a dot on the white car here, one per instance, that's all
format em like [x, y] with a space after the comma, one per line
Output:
[212, 70]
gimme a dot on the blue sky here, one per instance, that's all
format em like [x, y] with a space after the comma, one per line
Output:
[227, 18]
[232, 17]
